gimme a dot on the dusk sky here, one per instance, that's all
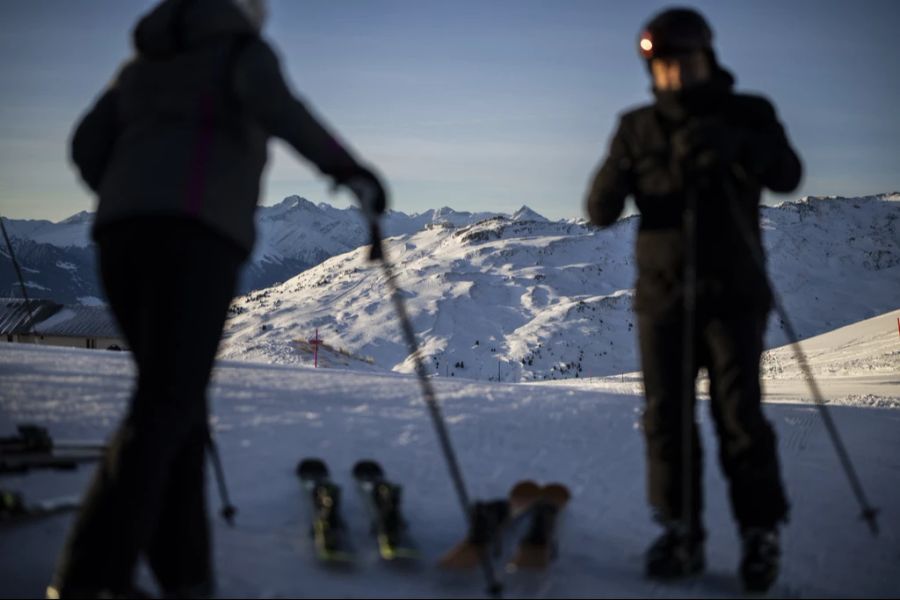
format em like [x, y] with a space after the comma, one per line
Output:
[476, 105]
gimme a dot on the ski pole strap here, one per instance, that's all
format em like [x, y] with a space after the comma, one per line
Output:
[228, 509]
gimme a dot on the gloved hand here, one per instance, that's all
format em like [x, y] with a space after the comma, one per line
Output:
[706, 144]
[368, 190]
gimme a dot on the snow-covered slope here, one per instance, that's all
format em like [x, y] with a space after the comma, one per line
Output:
[514, 299]
[268, 417]
[71, 232]
[855, 365]
[533, 300]
[871, 347]
[64, 275]
[834, 260]
[297, 234]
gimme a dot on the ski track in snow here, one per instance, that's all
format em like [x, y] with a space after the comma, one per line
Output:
[268, 417]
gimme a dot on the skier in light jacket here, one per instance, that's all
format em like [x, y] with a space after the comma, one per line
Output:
[175, 148]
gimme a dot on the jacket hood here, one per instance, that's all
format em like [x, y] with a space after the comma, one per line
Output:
[175, 25]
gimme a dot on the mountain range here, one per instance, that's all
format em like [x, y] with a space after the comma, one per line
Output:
[492, 296]
[531, 300]
[58, 260]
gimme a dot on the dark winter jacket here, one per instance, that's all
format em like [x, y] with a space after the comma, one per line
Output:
[750, 151]
[183, 128]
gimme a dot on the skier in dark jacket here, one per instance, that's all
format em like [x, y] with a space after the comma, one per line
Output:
[695, 162]
[175, 149]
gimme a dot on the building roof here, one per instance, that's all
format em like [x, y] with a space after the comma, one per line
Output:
[16, 319]
[81, 321]
[55, 319]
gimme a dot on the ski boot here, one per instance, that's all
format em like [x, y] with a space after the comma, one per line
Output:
[675, 554]
[386, 498]
[761, 553]
[328, 527]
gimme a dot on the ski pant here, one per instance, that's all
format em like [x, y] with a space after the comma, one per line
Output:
[169, 282]
[729, 346]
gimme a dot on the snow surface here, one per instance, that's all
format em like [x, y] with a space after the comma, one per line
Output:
[856, 365]
[267, 417]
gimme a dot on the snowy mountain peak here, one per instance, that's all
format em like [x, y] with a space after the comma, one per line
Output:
[526, 214]
[291, 204]
[79, 218]
[890, 196]
[447, 214]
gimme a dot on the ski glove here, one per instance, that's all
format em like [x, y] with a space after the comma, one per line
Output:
[368, 190]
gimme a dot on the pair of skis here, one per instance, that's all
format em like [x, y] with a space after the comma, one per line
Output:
[34, 448]
[15, 509]
[527, 501]
[382, 498]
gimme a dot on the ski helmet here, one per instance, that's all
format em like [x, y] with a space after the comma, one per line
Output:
[675, 31]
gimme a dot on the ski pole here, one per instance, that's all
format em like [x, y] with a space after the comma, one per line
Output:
[377, 254]
[228, 509]
[869, 513]
[12, 256]
[688, 357]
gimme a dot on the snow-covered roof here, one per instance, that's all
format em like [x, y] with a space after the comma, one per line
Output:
[15, 316]
[81, 321]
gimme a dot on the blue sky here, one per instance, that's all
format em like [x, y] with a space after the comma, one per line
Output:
[477, 105]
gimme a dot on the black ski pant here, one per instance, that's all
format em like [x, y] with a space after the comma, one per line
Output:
[729, 346]
[169, 282]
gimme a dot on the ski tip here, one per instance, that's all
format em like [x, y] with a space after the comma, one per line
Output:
[557, 494]
[312, 468]
[523, 495]
[367, 470]
[463, 556]
[530, 557]
[525, 488]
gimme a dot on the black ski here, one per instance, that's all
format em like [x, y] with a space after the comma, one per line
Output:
[382, 499]
[329, 532]
[61, 460]
[537, 548]
[490, 519]
[35, 439]
[14, 508]
[33, 448]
